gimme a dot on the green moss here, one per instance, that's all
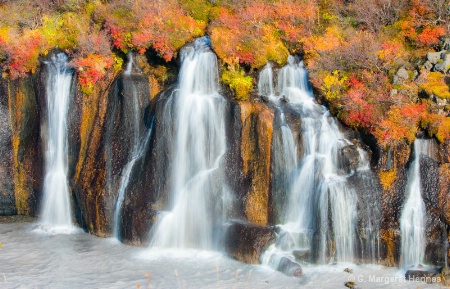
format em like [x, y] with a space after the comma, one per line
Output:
[239, 83]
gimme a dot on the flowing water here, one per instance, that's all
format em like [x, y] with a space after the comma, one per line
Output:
[136, 155]
[56, 206]
[321, 206]
[413, 218]
[196, 112]
[139, 147]
[85, 261]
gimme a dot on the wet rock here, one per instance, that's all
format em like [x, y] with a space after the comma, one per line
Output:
[255, 147]
[428, 275]
[289, 267]
[284, 241]
[301, 255]
[348, 159]
[284, 99]
[7, 198]
[93, 201]
[27, 162]
[444, 192]
[264, 98]
[246, 242]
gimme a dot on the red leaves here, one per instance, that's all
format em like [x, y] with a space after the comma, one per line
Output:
[91, 69]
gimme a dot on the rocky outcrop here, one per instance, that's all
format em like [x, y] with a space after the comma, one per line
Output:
[24, 115]
[89, 177]
[246, 242]
[7, 197]
[256, 140]
[392, 172]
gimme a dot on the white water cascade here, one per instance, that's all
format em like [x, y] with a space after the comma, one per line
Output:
[136, 154]
[56, 209]
[139, 147]
[317, 191]
[413, 218]
[199, 146]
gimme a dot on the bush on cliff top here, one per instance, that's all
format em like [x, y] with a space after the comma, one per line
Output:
[352, 48]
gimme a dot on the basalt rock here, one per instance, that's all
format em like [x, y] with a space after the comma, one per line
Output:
[89, 178]
[7, 200]
[256, 141]
[249, 131]
[436, 233]
[392, 170]
[136, 211]
[289, 267]
[246, 242]
[24, 115]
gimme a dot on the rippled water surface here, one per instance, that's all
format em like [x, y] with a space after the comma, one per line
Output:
[30, 258]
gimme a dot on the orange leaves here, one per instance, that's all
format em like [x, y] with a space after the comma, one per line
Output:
[430, 35]
[402, 123]
[261, 30]
[164, 27]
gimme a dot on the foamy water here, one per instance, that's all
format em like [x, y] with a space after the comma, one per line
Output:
[29, 259]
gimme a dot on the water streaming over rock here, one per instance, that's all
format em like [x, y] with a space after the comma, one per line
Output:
[320, 216]
[137, 154]
[56, 206]
[195, 114]
[413, 218]
[139, 145]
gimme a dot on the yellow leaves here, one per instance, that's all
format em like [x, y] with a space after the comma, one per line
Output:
[240, 83]
[387, 178]
[435, 85]
[333, 85]
[323, 43]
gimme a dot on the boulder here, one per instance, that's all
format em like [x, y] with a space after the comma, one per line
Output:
[428, 65]
[433, 57]
[246, 242]
[402, 73]
[301, 255]
[289, 267]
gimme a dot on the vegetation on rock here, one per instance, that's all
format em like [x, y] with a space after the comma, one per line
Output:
[353, 49]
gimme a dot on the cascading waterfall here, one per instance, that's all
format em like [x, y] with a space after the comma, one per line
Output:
[199, 147]
[413, 218]
[139, 147]
[136, 155]
[56, 209]
[321, 206]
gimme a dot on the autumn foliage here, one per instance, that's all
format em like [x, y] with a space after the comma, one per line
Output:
[352, 48]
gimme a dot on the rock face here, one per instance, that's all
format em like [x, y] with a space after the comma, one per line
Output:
[7, 200]
[392, 173]
[246, 242]
[256, 140]
[24, 114]
[102, 132]
[105, 147]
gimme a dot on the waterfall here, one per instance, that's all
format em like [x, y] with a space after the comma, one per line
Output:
[413, 218]
[55, 211]
[139, 146]
[265, 82]
[136, 155]
[321, 205]
[195, 114]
